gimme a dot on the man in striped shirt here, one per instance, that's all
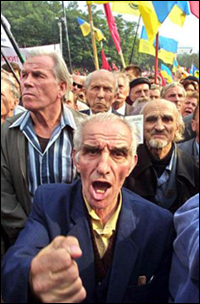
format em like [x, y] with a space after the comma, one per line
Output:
[36, 145]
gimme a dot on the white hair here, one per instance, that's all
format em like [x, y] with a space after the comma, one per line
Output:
[104, 117]
[89, 78]
[60, 69]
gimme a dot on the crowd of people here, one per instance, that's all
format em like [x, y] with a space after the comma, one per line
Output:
[87, 214]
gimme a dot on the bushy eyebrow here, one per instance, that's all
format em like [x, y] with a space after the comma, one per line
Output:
[88, 148]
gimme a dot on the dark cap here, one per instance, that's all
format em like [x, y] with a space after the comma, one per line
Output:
[140, 80]
[192, 78]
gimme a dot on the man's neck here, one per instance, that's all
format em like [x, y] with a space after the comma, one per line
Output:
[44, 122]
[160, 154]
[106, 214]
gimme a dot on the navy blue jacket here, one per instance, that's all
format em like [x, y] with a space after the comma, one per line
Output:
[143, 246]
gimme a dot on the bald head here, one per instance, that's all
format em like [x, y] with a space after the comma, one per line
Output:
[101, 89]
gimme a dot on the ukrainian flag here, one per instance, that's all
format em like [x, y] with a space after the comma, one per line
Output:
[166, 73]
[175, 66]
[179, 12]
[194, 71]
[166, 50]
[86, 29]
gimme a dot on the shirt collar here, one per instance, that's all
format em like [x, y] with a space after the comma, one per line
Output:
[67, 119]
[110, 225]
[122, 109]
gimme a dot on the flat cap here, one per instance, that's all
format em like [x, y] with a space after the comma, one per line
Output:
[140, 80]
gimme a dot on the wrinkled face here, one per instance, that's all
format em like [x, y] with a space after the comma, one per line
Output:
[176, 95]
[123, 92]
[160, 125]
[101, 92]
[104, 162]
[39, 87]
[140, 90]
[189, 106]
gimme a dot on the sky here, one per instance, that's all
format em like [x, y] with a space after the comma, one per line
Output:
[187, 36]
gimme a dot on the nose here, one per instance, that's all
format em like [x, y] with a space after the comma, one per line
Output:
[101, 93]
[142, 94]
[103, 167]
[159, 125]
[28, 81]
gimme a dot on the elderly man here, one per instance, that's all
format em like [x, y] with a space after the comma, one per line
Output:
[164, 175]
[120, 104]
[93, 240]
[175, 93]
[139, 88]
[36, 146]
[101, 89]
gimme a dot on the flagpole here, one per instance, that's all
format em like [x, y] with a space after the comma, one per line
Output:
[132, 52]
[156, 58]
[67, 37]
[12, 40]
[96, 62]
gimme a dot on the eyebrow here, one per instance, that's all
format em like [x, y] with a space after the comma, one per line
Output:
[153, 117]
[87, 148]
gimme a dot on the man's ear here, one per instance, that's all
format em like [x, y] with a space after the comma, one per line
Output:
[76, 160]
[133, 164]
[63, 88]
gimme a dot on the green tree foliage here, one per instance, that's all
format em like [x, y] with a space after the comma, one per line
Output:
[34, 23]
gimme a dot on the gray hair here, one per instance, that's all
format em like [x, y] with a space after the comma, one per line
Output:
[89, 78]
[124, 77]
[13, 88]
[104, 117]
[180, 123]
[172, 85]
[60, 69]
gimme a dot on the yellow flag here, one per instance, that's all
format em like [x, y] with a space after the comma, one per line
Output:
[126, 8]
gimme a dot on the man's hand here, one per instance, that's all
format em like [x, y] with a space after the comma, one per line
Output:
[54, 275]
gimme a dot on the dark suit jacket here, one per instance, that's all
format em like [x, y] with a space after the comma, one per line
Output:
[189, 147]
[87, 112]
[143, 246]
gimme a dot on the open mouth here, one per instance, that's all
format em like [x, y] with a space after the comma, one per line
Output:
[101, 187]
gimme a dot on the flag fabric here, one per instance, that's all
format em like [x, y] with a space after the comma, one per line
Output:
[166, 73]
[179, 12]
[112, 27]
[194, 7]
[175, 66]
[126, 8]
[86, 29]
[194, 71]
[114, 67]
[153, 14]
[167, 48]
[105, 64]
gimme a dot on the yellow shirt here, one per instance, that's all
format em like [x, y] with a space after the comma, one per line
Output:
[103, 233]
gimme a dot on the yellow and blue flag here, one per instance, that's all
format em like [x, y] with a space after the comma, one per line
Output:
[179, 12]
[167, 47]
[175, 66]
[194, 71]
[86, 29]
[166, 73]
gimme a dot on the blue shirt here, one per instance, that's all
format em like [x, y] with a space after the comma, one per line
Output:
[55, 164]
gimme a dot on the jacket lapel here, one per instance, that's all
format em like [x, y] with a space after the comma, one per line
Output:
[125, 255]
[81, 231]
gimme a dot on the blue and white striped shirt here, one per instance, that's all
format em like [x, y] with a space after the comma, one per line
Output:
[55, 164]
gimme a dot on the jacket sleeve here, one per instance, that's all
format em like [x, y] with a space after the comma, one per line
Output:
[13, 213]
[15, 266]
